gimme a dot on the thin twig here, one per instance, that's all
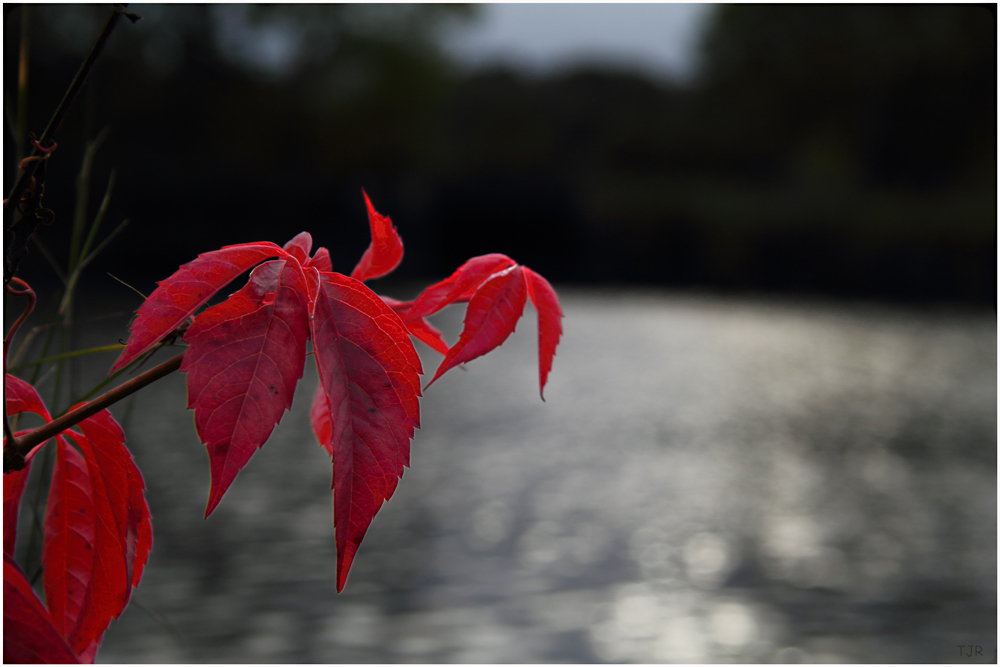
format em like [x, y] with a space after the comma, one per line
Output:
[45, 350]
[67, 101]
[127, 285]
[69, 355]
[45, 377]
[18, 448]
[130, 369]
[52, 325]
[161, 619]
[49, 257]
[104, 244]
[98, 219]
[18, 245]
[83, 198]
[21, 117]
[27, 341]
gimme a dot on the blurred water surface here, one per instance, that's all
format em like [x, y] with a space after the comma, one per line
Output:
[710, 479]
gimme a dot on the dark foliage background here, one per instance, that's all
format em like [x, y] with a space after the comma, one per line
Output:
[839, 150]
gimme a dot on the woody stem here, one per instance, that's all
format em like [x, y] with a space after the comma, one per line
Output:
[18, 448]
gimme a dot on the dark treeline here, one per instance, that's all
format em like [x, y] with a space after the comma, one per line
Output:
[842, 150]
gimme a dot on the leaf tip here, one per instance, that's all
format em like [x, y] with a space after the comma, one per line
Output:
[118, 364]
[440, 371]
[214, 497]
[344, 562]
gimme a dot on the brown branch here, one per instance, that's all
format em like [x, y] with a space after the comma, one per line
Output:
[18, 448]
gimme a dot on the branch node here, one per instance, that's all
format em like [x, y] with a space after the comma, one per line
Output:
[31, 439]
[121, 9]
[13, 460]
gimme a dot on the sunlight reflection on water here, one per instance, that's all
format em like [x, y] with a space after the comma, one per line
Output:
[709, 480]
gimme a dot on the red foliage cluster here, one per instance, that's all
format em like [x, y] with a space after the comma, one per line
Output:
[246, 355]
[97, 539]
[244, 359]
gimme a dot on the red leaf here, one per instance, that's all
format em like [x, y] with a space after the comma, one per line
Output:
[368, 374]
[88, 654]
[399, 307]
[319, 416]
[186, 290]
[425, 332]
[491, 317]
[245, 357]
[97, 532]
[459, 286]
[299, 247]
[140, 529]
[28, 633]
[13, 490]
[70, 548]
[107, 456]
[546, 302]
[420, 328]
[22, 397]
[384, 253]
[321, 260]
